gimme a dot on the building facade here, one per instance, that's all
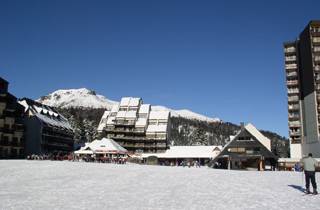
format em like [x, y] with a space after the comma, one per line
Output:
[248, 149]
[47, 131]
[136, 127]
[302, 67]
[11, 124]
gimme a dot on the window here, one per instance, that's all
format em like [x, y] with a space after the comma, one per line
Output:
[237, 150]
[245, 138]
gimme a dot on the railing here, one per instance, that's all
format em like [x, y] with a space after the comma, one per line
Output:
[293, 90]
[296, 116]
[293, 98]
[294, 124]
[316, 39]
[294, 133]
[292, 82]
[292, 74]
[289, 49]
[290, 58]
[294, 107]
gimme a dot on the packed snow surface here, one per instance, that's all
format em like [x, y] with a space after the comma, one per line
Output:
[78, 185]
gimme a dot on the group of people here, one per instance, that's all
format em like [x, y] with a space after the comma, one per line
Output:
[51, 156]
[115, 160]
[183, 163]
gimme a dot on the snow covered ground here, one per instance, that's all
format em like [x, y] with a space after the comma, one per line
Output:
[77, 185]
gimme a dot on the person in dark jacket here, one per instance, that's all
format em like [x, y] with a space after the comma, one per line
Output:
[309, 166]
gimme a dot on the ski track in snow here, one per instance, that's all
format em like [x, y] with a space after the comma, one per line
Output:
[78, 185]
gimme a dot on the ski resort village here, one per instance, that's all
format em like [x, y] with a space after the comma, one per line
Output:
[125, 115]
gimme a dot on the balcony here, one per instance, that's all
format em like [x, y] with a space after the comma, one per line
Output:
[293, 107]
[295, 140]
[293, 99]
[316, 39]
[294, 133]
[293, 91]
[290, 49]
[290, 58]
[294, 116]
[291, 66]
[294, 124]
[292, 82]
[292, 74]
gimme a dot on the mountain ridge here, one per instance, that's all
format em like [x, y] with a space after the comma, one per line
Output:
[85, 98]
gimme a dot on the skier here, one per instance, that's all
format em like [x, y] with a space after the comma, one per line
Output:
[309, 166]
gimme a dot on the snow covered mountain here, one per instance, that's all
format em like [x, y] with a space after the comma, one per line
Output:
[185, 113]
[84, 98]
[76, 98]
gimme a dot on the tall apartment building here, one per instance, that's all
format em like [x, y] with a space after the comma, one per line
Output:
[302, 66]
[136, 127]
[11, 124]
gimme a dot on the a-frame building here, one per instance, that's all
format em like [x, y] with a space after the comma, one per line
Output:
[249, 149]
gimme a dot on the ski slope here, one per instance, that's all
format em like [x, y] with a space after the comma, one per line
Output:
[78, 185]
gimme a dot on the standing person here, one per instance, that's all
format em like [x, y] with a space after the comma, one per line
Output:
[309, 166]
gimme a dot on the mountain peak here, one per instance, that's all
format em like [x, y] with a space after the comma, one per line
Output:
[85, 98]
[79, 98]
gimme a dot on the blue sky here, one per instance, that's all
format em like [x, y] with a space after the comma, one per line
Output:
[218, 58]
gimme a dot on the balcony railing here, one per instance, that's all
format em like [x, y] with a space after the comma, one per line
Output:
[292, 82]
[292, 74]
[293, 98]
[291, 66]
[294, 124]
[294, 107]
[289, 49]
[316, 39]
[293, 90]
[294, 116]
[290, 58]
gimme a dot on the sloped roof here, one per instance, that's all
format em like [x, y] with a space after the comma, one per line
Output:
[188, 152]
[104, 145]
[159, 115]
[264, 141]
[45, 114]
[144, 109]
[260, 137]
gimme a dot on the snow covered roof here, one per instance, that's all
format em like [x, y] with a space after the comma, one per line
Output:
[131, 114]
[134, 102]
[121, 114]
[105, 114]
[104, 145]
[141, 122]
[259, 136]
[115, 108]
[159, 115]
[157, 129]
[129, 101]
[144, 109]
[110, 120]
[46, 114]
[188, 152]
[125, 101]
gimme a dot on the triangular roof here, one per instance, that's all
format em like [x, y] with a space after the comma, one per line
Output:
[258, 138]
[105, 145]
